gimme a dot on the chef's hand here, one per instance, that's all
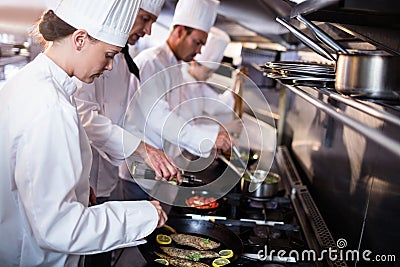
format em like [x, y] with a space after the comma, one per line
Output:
[162, 216]
[223, 141]
[159, 162]
[234, 127]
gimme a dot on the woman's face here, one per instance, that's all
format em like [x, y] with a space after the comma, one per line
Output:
[95, 58]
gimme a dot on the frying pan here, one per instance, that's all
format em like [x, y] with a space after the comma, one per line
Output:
[206, 229]
[363, 75]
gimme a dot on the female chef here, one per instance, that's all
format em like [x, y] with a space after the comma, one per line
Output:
[44, 170]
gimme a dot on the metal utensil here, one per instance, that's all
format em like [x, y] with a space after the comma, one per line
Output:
[363, 75]
[322, 36]
[151, 174]
[306, 40]
[239, 157]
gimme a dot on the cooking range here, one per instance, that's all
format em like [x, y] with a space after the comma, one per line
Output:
[288, 221]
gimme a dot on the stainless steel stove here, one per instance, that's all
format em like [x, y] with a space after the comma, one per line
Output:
[289, 222]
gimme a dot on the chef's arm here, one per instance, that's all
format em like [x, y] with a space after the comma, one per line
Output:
[159, 162]
[111, 140]
[223, 141]
[197, 139]
[217, 103]
[54, 190]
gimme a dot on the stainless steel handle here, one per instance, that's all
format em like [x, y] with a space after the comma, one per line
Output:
[244, 165]
[322, 36]
[151, 174]
[306, 40]
[239, 157]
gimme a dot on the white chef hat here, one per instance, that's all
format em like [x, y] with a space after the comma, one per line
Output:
[109, 21]
[152, 6]
[197, 14]
[213, 50]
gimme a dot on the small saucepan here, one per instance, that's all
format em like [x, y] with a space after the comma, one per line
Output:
[265, 185]
[358, 74]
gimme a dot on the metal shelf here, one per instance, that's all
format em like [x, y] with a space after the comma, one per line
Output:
[369, 132]
[382, 13]
[375, 22]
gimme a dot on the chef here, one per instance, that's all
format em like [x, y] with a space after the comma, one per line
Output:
[45, 154]
[198, 98]
[102, 106]
[160, 72]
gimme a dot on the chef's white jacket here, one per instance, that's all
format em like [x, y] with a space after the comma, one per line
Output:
[160, 72]
[199, 99]
[101, 107]
[44, 186]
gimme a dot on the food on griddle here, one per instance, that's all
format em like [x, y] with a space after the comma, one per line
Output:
[220, 262]
[178, 262]
[202, 202]
[198, 242]
[162, 261]
[194, 255]
[163, 239]
[226, 253]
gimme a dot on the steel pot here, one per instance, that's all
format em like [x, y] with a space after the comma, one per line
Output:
[266, 184]
[364, 75]
[371, 76]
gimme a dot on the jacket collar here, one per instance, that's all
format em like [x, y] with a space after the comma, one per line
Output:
[170, 54]
[65, 83]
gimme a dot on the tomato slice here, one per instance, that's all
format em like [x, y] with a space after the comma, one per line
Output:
[202, 202]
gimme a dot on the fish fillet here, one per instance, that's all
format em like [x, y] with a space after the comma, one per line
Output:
[194, 255]
[200, 243]
[178, 262]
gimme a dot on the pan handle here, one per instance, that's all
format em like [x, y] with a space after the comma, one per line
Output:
[306, 40]
[322, 36]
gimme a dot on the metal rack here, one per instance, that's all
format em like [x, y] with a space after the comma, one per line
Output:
[369, 132]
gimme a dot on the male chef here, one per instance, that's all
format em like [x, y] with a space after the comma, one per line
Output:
[199, 98]
[160, 73]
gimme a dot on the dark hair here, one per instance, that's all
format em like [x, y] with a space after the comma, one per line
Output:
[188, 30]
[50, 27]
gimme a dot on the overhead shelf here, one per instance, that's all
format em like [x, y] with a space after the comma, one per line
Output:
[383, 13]
[374, 21]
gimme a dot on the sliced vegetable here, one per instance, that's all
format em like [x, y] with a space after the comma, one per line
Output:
[162, 261]
[226, 253]
[202, 202]
[220, 262]
[163, 239]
